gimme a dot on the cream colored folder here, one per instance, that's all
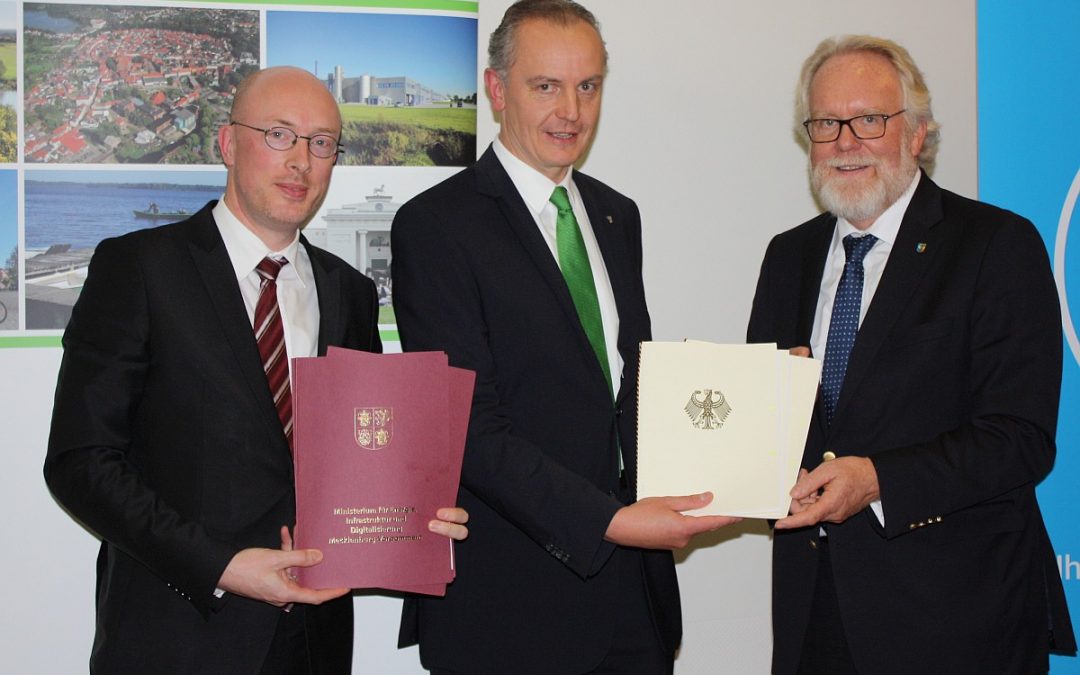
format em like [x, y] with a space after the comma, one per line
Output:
[730, 419]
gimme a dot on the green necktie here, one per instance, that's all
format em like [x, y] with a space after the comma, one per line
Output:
[574, 261]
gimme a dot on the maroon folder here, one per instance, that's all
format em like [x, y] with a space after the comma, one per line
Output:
[378, 444]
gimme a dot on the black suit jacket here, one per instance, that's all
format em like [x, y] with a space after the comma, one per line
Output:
[536, 584]
[952, 390]
[166, 443]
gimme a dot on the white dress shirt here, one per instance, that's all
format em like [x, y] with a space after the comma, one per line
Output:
[885, 228]
[298, 299]
[535, 189]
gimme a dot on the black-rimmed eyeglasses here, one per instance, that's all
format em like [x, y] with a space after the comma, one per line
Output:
[863, 127]
[323, 146]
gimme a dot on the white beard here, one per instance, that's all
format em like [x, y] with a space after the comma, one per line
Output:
[856, 205]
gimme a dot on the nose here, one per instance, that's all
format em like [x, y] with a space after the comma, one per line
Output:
[298, 158]
[569, 106]
[846, 140]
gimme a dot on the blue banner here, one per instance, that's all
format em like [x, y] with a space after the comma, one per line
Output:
[1029, 162]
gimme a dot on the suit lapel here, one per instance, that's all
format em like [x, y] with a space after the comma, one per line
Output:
[215, 269]
[331, 308]
[900, 280]
[813, 268]
[493, 180]
[608, 230]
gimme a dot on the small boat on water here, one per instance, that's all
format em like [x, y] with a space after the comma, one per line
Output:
[154, 213]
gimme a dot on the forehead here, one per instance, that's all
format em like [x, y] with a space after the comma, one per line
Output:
[853, 82]
[545, 47]
[288, 98]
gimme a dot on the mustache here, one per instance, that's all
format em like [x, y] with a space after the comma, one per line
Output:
[860, 160]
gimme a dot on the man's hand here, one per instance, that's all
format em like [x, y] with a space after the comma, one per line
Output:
[803, 503]
[263, 574]
[832, 492]
[451, 523]
[657, 522]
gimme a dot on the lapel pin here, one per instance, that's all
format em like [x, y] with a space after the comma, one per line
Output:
[920, 247]
[610, 219]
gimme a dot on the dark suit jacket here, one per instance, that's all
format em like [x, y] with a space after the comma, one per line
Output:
[952, 390]
[166, 443]
[536, 584]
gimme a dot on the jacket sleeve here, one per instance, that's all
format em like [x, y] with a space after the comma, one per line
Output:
[89, 467]
[1006, 439]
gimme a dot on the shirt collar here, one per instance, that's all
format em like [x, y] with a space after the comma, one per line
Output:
[886, 227]
[535, 188]
[246, 250]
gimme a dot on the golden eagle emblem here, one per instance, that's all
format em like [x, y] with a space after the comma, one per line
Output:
[709, 412]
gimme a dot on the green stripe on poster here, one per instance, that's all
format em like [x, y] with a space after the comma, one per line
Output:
[30, 341]
[446, 5]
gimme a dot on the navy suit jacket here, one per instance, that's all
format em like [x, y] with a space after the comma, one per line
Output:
[536, 584]
[952, 391]
[165, 443]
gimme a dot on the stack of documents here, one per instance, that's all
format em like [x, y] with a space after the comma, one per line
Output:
[378, 441]
[729, 419]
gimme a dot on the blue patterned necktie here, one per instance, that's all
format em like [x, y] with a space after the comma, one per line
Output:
[844, 323]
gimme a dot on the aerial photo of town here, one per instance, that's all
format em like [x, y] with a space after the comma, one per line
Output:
[8, 93]
[126, 84]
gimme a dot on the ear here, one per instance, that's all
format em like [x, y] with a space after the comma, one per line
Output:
[225, 144]
[496, 89]
[917, 139]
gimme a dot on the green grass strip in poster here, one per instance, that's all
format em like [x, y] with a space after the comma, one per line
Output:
[30, 341]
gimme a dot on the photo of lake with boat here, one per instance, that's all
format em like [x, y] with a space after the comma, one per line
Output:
[68, 212]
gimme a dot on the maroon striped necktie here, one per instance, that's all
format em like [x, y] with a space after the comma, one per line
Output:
[270, 336]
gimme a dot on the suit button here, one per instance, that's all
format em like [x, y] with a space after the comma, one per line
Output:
[937, 519]
[813, 544]
[618, 412]
[828, 456]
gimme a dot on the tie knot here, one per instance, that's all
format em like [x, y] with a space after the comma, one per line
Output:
[561, 199]
[268, 268]
[856, 248]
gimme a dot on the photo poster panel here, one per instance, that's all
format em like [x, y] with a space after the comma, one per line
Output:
[1028, 52]
[109, 113]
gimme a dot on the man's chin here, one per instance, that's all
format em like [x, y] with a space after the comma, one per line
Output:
[852, 205]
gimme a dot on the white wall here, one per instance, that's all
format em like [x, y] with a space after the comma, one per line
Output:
[697, 127]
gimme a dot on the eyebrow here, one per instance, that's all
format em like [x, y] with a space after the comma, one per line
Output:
[542, 79]
[281, 122]
[869, 110]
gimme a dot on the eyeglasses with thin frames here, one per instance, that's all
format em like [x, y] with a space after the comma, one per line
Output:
[863, 127]
[323, 146]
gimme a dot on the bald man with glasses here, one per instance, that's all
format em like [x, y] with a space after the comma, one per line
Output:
[172, 423]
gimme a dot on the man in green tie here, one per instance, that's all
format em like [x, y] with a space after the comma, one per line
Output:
[529, 272]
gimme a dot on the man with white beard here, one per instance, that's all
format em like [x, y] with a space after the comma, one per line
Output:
[915, 542]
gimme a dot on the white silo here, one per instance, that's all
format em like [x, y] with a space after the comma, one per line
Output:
[365, 88]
